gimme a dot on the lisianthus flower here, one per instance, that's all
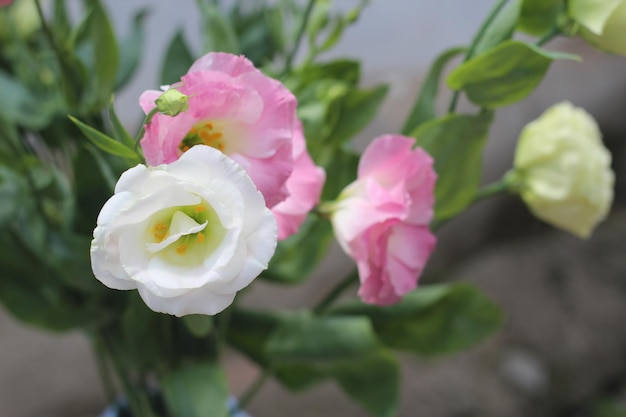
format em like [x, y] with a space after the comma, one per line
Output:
[563, 171]
[382, 219]
[304, 186]
[601, 23]
[187, 235]
[233, 107]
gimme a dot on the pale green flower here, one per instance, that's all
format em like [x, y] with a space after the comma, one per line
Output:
[562, 169]
[603, 23]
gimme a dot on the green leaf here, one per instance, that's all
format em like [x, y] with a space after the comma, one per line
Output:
[504, 74]
[120, 133]
[432, 320]
[296, 257]
[501, 29]
[345, 70]
[12, 189]
[260, 32]
[318, 20]
[62, 25]
[196, 390]
[319, 110]
[131, 49]
[105, 142]
[372, 381]
[456, 143]
[308, 338]
[219, 33]
[358, 108]
[307, 349]
[249, 331]
[105, 58]
[22, 106]
[424, 107]
[33, 291]
[334, 35]
[341, 165]
[540, 16]
[178, 59]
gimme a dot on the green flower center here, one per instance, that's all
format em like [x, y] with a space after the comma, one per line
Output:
[184, 235]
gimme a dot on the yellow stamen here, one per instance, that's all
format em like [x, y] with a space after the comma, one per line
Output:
[199, 209]
[160, 231]
[200, 238]
[181, 249]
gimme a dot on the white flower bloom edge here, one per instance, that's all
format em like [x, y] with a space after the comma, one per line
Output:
[187, 235]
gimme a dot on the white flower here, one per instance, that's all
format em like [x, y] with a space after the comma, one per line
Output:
[187, 235]
[563, 170]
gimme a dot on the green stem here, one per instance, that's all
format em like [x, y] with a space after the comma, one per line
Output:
[105, 373]
[504, 185]
[66, 73]
[222, 330]
[498, 187]
[548, 36]
[305, 21]
[137, 401]
[472, 48]
[146, 121]
[255, 387]
[337, 290]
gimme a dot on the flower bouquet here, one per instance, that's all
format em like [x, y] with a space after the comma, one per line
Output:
[244, 169]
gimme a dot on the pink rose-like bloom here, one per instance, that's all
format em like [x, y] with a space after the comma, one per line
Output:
[381, 220]
[232, 107]
[304, 185]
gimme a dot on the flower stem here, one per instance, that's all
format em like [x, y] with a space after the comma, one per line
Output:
[305, 21]
[504, 185]
[66, 73]
[548, 36]
[337, 290]
[104, 372]
[146, 121]
[137, 401]
[255, 387]
[492, 189]
[472, 48]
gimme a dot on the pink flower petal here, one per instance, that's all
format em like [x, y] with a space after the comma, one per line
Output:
[381, 219]
[238, 110]
[304, 186]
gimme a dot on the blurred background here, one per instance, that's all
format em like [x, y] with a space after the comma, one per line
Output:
[562, 351]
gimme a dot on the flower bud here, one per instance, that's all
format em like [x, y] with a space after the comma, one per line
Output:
[22, 15]
[601, 23]
[562, 170]
[172, 102]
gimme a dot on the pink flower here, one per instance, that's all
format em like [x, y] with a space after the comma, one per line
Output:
[381, 219]
[4, 3]
[232, 107]
[304, 186]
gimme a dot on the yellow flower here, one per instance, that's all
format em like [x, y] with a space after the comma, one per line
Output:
[562, 169]
[602, 23]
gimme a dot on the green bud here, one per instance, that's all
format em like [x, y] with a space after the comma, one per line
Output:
[172, 102]
[601, 23]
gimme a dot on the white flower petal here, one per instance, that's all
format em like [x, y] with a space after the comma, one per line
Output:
[188, 235]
